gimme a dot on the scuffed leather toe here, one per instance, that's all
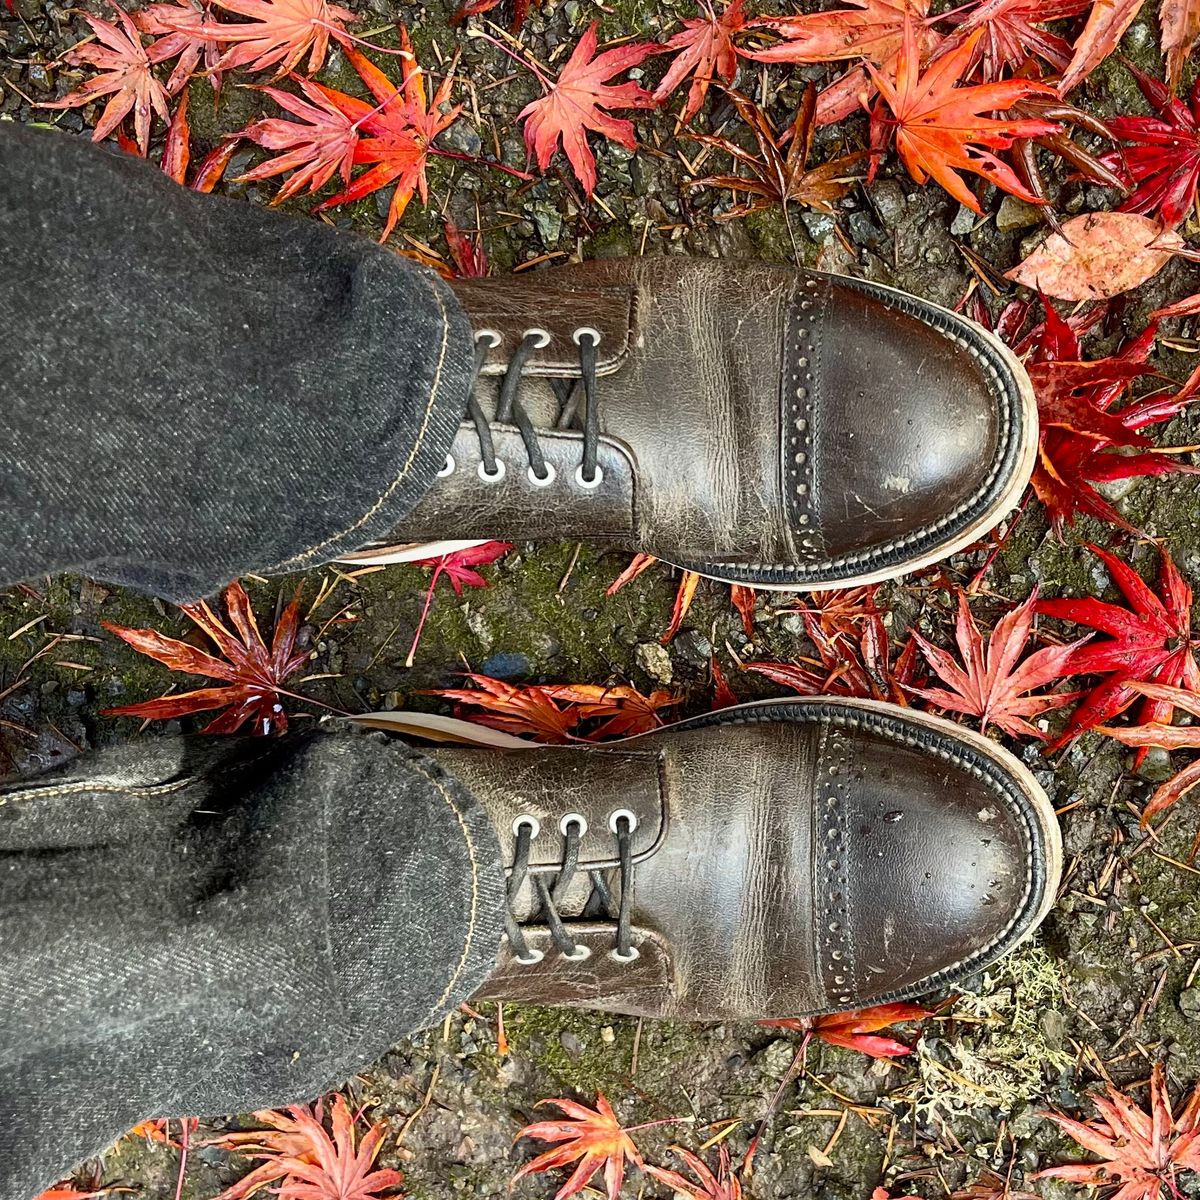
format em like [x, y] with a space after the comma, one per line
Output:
[913, 426]
[934, 858]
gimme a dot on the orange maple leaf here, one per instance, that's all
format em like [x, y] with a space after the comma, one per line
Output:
[279, 32]
[579, 100]
[551, 712]
[940, 127]
[126, 77]
[252, 673]
[299, 1153]
[336, 131]
[857, 1030]
[1144, 1151]
[402, 128]
[593, 1138]
[993, 683]
[1180, 21]
[871, 32]
[706, 51]
[623, 710]
[1106, 25]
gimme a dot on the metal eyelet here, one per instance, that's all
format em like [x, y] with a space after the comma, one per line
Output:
[617, 956]
[543, 336]
[535, 826]
[582, 953]
[528, 960]
[573, 818]
[589, 329]
[495, 476]
[589, 484]
[492, 337]
[447, 468]
[542, 480]
[617, 814]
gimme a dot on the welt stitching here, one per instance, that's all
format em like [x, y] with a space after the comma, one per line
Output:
[473, 916]
[306, 555]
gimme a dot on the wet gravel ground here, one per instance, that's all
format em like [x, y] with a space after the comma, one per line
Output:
[1110, 985]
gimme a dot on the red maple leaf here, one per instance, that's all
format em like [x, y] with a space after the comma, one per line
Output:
[1164, 735]
[941, 129]
[1081, 442]
[853, 1030]
[279, 33]
[992, 682]
[514, 709]
[1142, 1151]
[579, 100]
[297, 1152]
[1014, 31]
[1162, 158]
[321, 143]
[402, 128]
[721, 1185]
[743, 599]
[840, 610]
[126, 77]
[872, 32]
[177, 146]
[854, 662]
[591, 1138]
[1151, 641]
[704, 49]
[178, 24]
[393, 137]
[469, 257]
[253, 675]
[622, 710]
[459, 569]
[472, 8]
[684, 594]
[857, 1030]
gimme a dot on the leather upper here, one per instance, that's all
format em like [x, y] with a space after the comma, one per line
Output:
[788, 858]
[758, 423]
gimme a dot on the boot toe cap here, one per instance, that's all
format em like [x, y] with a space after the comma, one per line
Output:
[914, 430]
[939, 856]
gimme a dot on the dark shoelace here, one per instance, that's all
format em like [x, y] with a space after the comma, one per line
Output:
[510, 410]
[600, 903]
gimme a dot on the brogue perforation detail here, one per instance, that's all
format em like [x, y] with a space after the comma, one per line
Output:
[836, 943]
[799, 467]
[835, 717]
[1008, 447]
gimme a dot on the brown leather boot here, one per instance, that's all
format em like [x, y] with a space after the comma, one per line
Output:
[754, 423]
[770, 860]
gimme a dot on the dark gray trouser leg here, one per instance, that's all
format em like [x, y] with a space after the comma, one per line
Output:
[194, 926]
[193, 387]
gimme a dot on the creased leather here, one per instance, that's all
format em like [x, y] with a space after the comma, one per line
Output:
[792, 858]
[781, 426]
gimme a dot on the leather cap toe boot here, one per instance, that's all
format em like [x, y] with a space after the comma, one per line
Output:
[754, 423]
[771, 860]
